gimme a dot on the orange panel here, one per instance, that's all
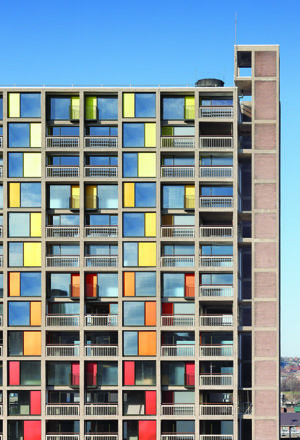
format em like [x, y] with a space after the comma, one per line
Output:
[150, 313]
[91, 285]
[128, 284]
[36, 313]
[167, 220]
[147, 343]
[75, 285]
[32, 344]
[14, 283]
[189, 285]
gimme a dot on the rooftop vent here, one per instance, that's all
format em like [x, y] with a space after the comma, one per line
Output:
[209, 82]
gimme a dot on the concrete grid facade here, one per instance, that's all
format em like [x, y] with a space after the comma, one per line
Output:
[141, 273]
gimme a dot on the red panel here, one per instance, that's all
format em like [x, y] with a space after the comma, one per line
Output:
[129, 373]
[91, 373]
[190, 373]
[32, 430]
[167, 308]
[147, 429]
[14, 373]
[167, 397]
[150, 402]
[75, 372]
[189, 285]
[91, 285]
[35, 403]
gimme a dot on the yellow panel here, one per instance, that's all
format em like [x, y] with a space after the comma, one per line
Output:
[91, 107]
[32, 344]
[147, 254]
[75, 107]
[14, 283]
[146, 164]
[189, 191]
[147, 343]
[35, 224]
[189, 107]
[91, 197]
[36, 313]
[32, 164]
[14, 195]
[14, 105]
[128, 105]
[128, 195]
[150, 224]
[35, 135]
[32, 254]
[150, 135]
[75, 199]
[167, 131]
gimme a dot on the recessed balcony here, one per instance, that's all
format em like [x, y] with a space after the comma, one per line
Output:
[216, 380]
[210, 291]
[101, 350]
[177, 142]
[213, 232]
[65, 409]
[215, 142]
[62, 231]
[215, 351]
[62, 320]
[177, 350]
[221, 410]
[101, 409]
[178, 409]
[101, 320]
[215, 202]
[100, 171]
[101, 142]
[101, 231]
[65, 171]
[62, 350]
[178, 231]
[215, 112]
[178, 171]
[62, 142]
[225, 320]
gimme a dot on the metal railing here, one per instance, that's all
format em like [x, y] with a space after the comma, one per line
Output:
[178, 231]
[62, 231]
[178, 320]
[207, 409]
[101, 409]
[216, 172]
[101, 437]
[62, 320]
[101, 142]
[62, 409]
[177, 171]
[177, 142]
[215, 260]
[216, 291]
[62, 350]
[216, 350]
[216, 112]
[178, 436]
[177, 409]
[101, 350]
[216, 380]
[62, 142]
[58, 436]
[1, 260]
[101, 320]
[216, 320]
[216, 231]
[53, 171]
[177, 350]
[101, 171]
[62, 261]
[178, 261]
[216, 437]
[211, 142]
[101, 231]
[101, 261]
[216, 202]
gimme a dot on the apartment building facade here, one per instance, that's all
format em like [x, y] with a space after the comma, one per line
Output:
[140, 259]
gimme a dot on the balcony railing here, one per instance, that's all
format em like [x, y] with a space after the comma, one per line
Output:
[178, 261]
[62, 409]
[215, 142]
[101, 320]
[216, 350]
[59, 436]
[178, 320]
[101, 261]
[216, 320]
[101, 409]
[212, 112]
[216, 231]
[216, 172]
[101, 437]
[214, 202]
[178, 409]
[62, 142]
[101, 350]
[63, 261]
[62, 231]
[177, 350]
[215, 291]
[177, 171]
[101, 231]
[1, 260]
[213, 380]
[215, 261]
[62, 350]
[100, 171]
[53, 171]
[216, 437]
[178, 231]
[62, 320]
[101, 142]
[207, 409]
[177, 142]
[178, 436]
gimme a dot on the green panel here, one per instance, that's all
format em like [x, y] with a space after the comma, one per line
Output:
[91, 107]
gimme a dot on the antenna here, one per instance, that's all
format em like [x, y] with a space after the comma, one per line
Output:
[235, 23]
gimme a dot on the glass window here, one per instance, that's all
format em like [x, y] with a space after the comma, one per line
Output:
[108, 196]
[173, 108]
[18, 313]
[60, 284]
[107, 284]
[173, 373]
[18, 135]
[133, 135]
[30, 195]
[60, 196]
[145, 373]
[60, 108]
[1, 130]
[173, 196]
[64, 249]
[179, 249]
[15, 164]
[30, 372]
[145, 284]
[1, 197]
[1, 285]
[102, 249]
[173, 285]
[217, 101]
[30, 283]
[1, 107]
[130, 164]
[133, 313]
[64, 160]
[145, 195]
[130, 254]
[64, 220]
[216, 191]
[15, 343]
[15, 254]
[108, 107]
[58, 373]
[102, 220]
[130, 343]
[217, 278]
[216, 250]
[30, 105]
[63, 130]
[145, 105]
[107, 373]
[61, 308]
[19, 224]
[102, 160]
[133, 225]
[102, 131]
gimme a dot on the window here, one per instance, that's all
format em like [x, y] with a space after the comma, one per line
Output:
[24, 313]
[217, 279]
[24, 254]
[180, 285]
[178, 197]
[24, 165]
[178, 161]
[24, 403]
[63, 285]
[139, 105]
[101, 107]
[59, 373]
[102, 131]
[139, 254]
[25, 373]
[137, 135]
[24, 284]
[62, 130]
[24, 343]
[1, 108]
[102, 160]
[63, 220]
[101, 196]
[141, 343]
[139, 224]
[139, 373]
[102, 220]
[216, 161]
[24, 105]
[63, 160]
[139, 313]
[1, 285]
[102, 249]
[24, 224]
[216, 101]
[178, 107]
[139, 284]
[139, 195]
[1, 197]
[139, 165]
[101, 373]
[24, 195]
[63, 108]
[216, 250]
[64, 249]
[102, 285]
[64, 196]
[216, 191]
[173, 373]
[24, 135]
[63, 308]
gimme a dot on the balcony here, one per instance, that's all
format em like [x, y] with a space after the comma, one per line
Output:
[216, 172]
[178, 261]
[219, 232]
[101, 409]
[100, 171]
[101, 320]
[62, 231]
[178, 409]
[101, 231]
[63, 261]
[62, 142]
[216, 380]
[216, 437]
[216, 321]
[213, 261]
[178, 320]
[101, 142]
[216, 291]
[1, 260]
[62, 320]
[214, 202]
[62, 350]
[215, 351]
[101, 436]
[215, 112]
[221, 410]
[101, 350]
[178, 436]
[178, 171]
[178, 231]
[215, 142]
[59, 436]
[101, 261]
[53, 171]
[65, 409]
[177, 350]
[177, 142]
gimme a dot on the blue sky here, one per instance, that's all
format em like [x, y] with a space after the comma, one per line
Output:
[164, 43]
